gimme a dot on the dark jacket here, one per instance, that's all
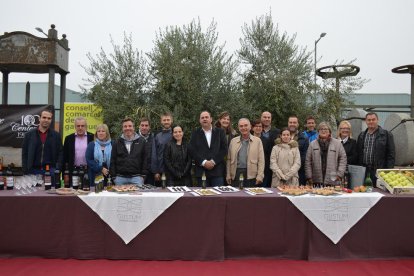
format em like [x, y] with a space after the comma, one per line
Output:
[384, 149]
[350, 147]
[129, 164]
[69, 150]
[148, 148]
[177, 160]
[303, 148]
[273, 134]
[157, 152]
[200, 151]
[267, 149]
[34, 156]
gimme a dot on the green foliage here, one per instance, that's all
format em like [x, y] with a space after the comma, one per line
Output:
[191, 73]
[118, 82]
[277, 74]
[187, 72]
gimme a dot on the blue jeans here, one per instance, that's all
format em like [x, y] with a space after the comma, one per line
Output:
[211, 181]
[138, 180]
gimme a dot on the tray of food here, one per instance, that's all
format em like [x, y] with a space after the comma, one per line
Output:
[82, 192]
[126, 188]
[294, 190]
[207, 192]
[326, 191]
[258, 191]
[65, 191]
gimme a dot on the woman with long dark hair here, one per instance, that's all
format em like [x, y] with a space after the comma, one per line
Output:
[177, 160]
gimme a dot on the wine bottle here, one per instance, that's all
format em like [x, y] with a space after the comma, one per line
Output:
[75, 178]
[56, 182]
[66, 176]
[1, 177]
[241, 180]
[81, 177]
[47, 178]
[85, 181]
[368, 182]
[346, 182]
[203, 180]
[9, 178]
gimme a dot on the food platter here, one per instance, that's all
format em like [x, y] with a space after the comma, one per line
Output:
[65, 191]
[82, 192]
[258, 191]
[126, 188]
[207, 192]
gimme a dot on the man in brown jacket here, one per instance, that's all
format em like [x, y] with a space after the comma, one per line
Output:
[245, 156]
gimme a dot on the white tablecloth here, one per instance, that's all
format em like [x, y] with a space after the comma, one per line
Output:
[126, 214]
[335, 215]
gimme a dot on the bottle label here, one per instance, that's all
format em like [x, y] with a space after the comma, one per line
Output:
[75, 181]
[10, 181]
[48, 180]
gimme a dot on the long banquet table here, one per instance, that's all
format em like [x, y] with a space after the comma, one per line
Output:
[227, 226]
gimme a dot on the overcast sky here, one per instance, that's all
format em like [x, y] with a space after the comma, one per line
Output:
[378, 34]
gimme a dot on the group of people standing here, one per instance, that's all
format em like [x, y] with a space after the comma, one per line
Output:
[258, 154]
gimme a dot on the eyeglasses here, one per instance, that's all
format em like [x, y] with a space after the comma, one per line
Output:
[345, 128]
[324, 129]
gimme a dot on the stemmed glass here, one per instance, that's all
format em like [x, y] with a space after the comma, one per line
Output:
[332, 177]
[23, 186]
[18, 185]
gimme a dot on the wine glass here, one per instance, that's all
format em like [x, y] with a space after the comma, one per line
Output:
[25, 187]
[333, 177]
[18, 185]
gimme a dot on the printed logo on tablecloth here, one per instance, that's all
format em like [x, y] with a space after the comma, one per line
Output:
[128, 215]
[335, 215]
[336, 209]
[129, 210]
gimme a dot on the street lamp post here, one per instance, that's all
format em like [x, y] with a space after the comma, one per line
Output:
[40, 30]
[316, 42]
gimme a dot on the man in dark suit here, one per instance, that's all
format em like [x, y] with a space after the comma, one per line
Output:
[75, 145]
[208, 146]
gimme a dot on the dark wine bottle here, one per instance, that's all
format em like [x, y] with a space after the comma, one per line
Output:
[75, 178]
[47, 178]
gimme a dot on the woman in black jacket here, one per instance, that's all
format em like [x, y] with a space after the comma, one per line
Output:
[350, 145]
[177, 160]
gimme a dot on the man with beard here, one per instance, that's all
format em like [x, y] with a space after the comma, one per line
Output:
[158, 145]
[42, 146]
[293, 126]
